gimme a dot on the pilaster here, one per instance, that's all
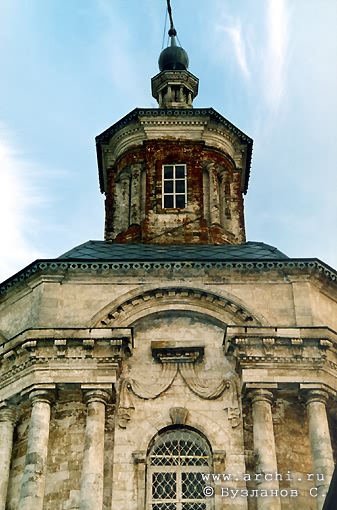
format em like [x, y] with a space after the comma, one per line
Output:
[124, 202]
[135, 194]
[214, 199]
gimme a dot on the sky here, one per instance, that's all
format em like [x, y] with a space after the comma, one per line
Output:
[72, 68]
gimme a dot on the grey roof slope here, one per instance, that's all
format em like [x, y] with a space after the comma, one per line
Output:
[98, 250]
[102, 256]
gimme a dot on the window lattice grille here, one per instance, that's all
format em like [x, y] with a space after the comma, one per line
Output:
[164, 506]
[191, 485]
[164, 485]
[185, 506]
[194, 506]
[175, 464]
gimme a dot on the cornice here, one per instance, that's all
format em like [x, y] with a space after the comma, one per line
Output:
[104, 137]
[287, 358]
[283, 355]
[90, 266]
[178, 114]
[187, 129]
[62, 356]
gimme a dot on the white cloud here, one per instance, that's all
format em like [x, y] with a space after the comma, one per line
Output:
[228, 27]
[276, 51]
[257, 40]
[235, 34]
[18, 202]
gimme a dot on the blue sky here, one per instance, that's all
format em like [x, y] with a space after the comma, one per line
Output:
[72, 68]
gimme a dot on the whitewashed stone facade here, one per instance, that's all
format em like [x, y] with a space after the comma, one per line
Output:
[219, 352]
[235, 354]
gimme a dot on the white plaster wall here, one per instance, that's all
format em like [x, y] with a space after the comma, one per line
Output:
[150, 416]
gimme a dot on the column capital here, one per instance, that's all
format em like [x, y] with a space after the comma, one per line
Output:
[9, 414]
[209, 165]
[96, 395]
[261, 395]
[135, 167]
[44, 395]
[125, 175]
[314, 395]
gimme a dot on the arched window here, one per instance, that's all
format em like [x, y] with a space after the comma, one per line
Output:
[175, 463]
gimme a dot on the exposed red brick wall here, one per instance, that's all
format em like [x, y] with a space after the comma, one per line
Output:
[177, 226]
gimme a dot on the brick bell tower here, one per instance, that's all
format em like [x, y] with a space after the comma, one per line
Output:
[174, 174]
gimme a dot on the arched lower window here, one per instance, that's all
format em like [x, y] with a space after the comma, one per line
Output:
[175, 463]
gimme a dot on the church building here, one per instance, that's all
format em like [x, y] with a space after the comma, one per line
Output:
[173, 365]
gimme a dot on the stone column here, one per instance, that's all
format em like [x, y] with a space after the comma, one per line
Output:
[205, 184]
[190, 99]
[214, 201]
[34, 475]
[91, 491]
[169, 94]
[8, 417]
[222, 198]
[321, 451]
[264, 447]
[135, 194]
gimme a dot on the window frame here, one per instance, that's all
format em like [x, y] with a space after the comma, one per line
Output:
[178, 468]
[174, 194]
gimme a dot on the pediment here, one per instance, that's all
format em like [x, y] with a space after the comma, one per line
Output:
[130, 308]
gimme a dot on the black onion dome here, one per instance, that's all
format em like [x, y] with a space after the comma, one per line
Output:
[173, 57]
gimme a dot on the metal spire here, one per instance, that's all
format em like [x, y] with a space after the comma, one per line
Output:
[172, 31]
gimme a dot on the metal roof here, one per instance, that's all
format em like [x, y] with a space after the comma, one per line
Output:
[98, 250]
[101, 257]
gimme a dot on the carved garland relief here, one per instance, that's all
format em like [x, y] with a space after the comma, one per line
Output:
[178, 361]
